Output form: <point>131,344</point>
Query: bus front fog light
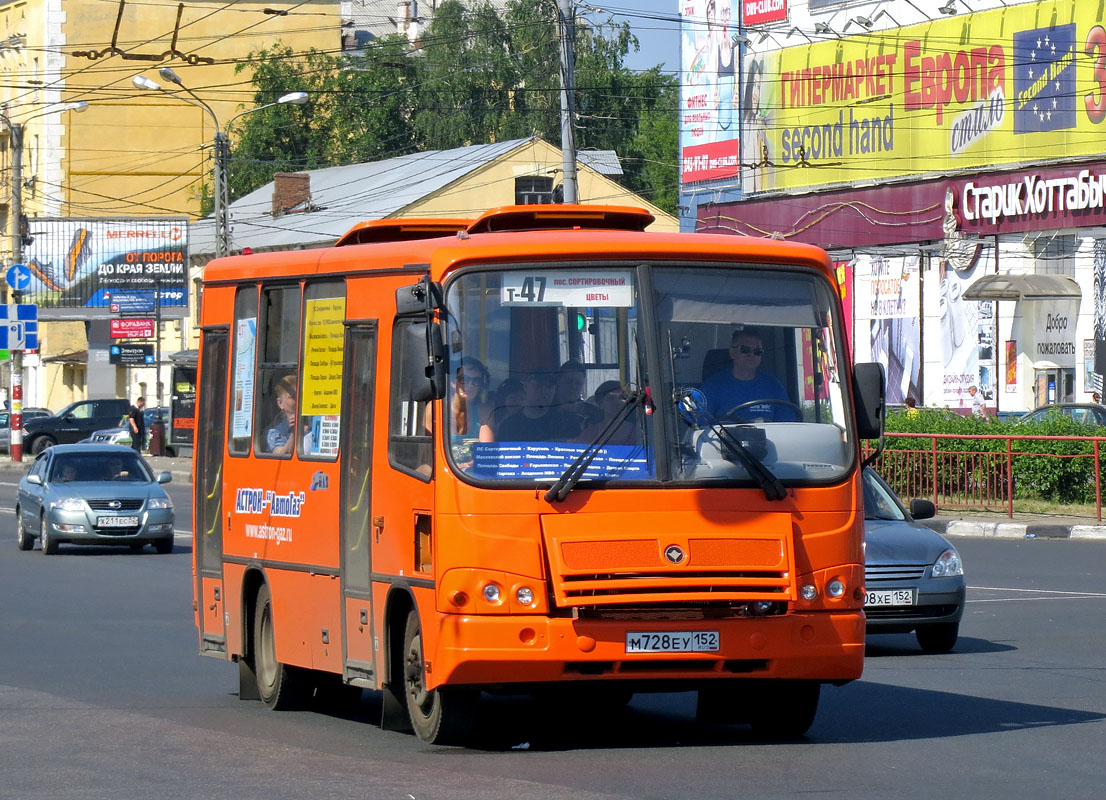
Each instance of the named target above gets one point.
<point>835,588</point>
<point>491,593</point>
<point>525,596</point>
<point>809,592</point>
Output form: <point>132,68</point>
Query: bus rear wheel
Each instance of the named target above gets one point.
<point>280,686</point>
<point>438,716</point>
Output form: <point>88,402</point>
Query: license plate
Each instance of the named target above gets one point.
<point>116,522</point>
<point>672,642</point>
<point>889,597</point>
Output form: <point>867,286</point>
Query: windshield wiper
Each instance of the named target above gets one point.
<point>575,472</point>
<point>774,488</point>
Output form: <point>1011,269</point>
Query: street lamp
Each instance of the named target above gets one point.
<point>15,136</point>
<point>221,210</point>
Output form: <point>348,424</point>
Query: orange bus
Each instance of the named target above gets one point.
<point>540,451</point>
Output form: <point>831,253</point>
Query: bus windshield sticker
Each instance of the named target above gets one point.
<point>543,460</point>
<point>246,340</point>
<point>568,288</point>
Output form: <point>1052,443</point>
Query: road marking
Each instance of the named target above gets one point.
<point>1036,591</point>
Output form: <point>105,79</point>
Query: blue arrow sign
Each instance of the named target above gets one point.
<point>19,277</point>
<point>19,327</point>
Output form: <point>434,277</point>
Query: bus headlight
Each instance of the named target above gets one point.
<point>491,593</point>
<point>525,596</point>
<point>835,588</point>
<point>465,590</point>
<point>809,592</point>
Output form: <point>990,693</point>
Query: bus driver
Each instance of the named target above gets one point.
<point>725,390</point>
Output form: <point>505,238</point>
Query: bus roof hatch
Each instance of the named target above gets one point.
<point>562,217</point>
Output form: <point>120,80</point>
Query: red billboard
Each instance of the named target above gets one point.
<point>142,328</point>
<point>759,11</point>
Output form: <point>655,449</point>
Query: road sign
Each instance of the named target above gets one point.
<point>19,278</point>
<point>19,327</point>
<point>131,355</point>
<point>121,302</point>
<point>139,328</point>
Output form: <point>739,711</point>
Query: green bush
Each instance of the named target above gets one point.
<point>1039,476</point>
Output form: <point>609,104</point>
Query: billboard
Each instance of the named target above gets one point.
<point>896,332</point>
<point>78,265</point>
<point>972,92</point>
<point>709,102</point>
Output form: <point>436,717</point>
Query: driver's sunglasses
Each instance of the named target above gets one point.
<point>746,350</point>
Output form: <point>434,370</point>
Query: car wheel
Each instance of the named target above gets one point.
<point>40,443</point>
<point>939,638</point>
<point>280,686</point>
<point>438,716</point>
<point>164,546</point>
<point>49,543</point>
<point>25,540</point>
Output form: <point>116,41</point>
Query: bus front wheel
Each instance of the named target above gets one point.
<point>279,685</point>
<point>783,709</point>
<point>438,716</point>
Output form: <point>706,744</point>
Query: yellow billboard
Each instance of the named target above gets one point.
<point>1017,85</point>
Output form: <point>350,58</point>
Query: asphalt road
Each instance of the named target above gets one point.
<point>102,695</point>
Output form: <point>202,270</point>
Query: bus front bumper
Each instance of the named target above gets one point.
<point>824,646</point>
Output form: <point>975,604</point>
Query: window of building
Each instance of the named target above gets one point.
<point>1055,255</point>
<point>533,190</point>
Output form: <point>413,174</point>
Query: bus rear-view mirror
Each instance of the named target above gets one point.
<point>868,395</point>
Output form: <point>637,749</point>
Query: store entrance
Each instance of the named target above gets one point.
<point>1054,386</point>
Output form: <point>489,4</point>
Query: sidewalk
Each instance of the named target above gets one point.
<point>1020,526</point>
<point>179,468</point>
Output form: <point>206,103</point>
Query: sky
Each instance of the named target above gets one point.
<point>659,38</point>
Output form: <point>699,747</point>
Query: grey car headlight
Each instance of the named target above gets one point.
<point>159,502</point>
<point>68,504</point>
<point>948,564</point>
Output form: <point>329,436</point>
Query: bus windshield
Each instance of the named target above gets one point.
<point>550,367</point>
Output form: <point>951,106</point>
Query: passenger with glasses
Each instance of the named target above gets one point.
<point>733,394</point>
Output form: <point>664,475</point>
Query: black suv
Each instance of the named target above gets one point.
<point>74,422</point>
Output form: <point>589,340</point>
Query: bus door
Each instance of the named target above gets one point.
<point>207,537</point>
<point>356,513</point>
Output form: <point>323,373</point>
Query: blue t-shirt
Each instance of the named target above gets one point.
<point>278,433</point>
<point>723,391</point>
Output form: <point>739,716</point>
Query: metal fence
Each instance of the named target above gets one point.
<point>976,472</point>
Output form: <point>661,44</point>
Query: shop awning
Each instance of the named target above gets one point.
<point>1022,287</point>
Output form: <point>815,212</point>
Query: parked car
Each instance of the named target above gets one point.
<point>1083,413</point>
<point>913,577</point>
<point>74,422</point>
<point>6,423</point>
<point>100,494</point>
<point>121,433</point>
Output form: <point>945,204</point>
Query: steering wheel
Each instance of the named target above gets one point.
<point>765,401</point>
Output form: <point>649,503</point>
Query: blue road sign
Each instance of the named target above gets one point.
<point>19,327</point>
<point>19,277</point>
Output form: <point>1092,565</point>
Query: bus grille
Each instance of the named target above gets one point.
<point>651,587</point>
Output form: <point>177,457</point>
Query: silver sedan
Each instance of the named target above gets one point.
<point>93,494</point>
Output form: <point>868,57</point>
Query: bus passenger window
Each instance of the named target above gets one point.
<point>324,331</point>
<point>243,380</point>
<point>410,446</point>
<point>278,345</point>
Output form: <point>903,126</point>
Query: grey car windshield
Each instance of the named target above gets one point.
<point>70,467</point>
<point>553,363</point>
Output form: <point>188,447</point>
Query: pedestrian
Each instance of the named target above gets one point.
<point>137,421</point>
<point>978,407</point>
<point>911,407</point>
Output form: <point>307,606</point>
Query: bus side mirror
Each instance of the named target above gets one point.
<point>869,394</point>
<point>423,353</point>
<point>422,296</point>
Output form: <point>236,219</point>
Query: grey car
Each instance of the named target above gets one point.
<point>99,494</point>
<point>6,423</point>
<point>913,577</point>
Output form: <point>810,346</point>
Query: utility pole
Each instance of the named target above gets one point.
<point>15,130</point>
<point>567,23</point>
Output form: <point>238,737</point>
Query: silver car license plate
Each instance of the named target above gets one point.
<point>672,642</point>
<point>889,597</point>
<point>116,522</point>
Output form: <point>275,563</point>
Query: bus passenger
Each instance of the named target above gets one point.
<point>278,437</point>
<point>728,389</point>
<point>539,419</point>
<point>507,399</point>
<point>609,399</point>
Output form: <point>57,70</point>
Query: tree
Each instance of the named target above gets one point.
<point>474,77</point>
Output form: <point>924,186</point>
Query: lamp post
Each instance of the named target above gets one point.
<point>221,211</point>
<point>15,136</point>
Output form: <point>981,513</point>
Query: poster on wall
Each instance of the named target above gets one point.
<point>894,324</point>
<point>1092,381</point>
<point>709,146</point>
<point>967,333</point>
<point>1011,366</point>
